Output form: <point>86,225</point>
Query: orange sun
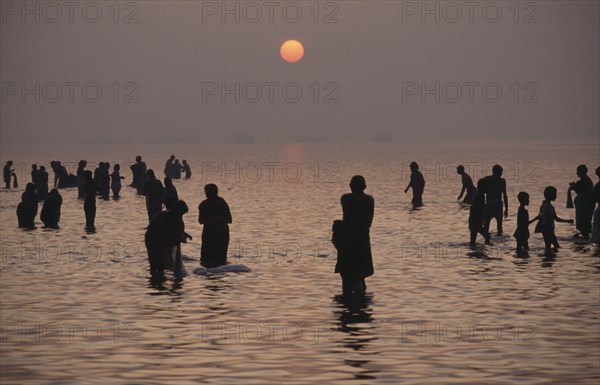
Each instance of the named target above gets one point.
<point>292,51</point>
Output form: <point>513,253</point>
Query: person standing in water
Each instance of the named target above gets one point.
<point>42,186</point>
<point>81,179</point>
<point>8,172</point>
<point>28,208</point>
<point>523,222</point>
<point>547,218</point>
<point>141,175</point>
<point>169,166</point>
<point>89,205</point>
<point>584,201</point>
<point>477,213</point>
<point>355,261</point>
<point>186,169</point>
<point>417,183</point>
<point>50,214</point>
<point>154,192</point>
<point>596,223</point>
<point>467,186</point>
<point>115,180</point>
<point>171,195</point>
<point>35,174</point>
<point>215,215</point>
<point>176,170</point>
<point>496,195</point>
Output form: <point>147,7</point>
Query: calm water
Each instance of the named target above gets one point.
<point>78,308</point>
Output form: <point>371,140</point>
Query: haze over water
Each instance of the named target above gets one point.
<point>79,308</point>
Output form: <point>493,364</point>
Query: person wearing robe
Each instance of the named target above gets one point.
<point>584,201</point>
<point>141,175</point>
<point>352,238</point>
<point>215,216</point>
<point>28,208</point>
<point>35,174</point>
<point>89,205</point>
<point>7,173</point>
<point>42,185</point>
<point>50,214</point>
<point>169,167</point>
<point>171,195</point>
<point>176,170</point>
<point>81,179</point>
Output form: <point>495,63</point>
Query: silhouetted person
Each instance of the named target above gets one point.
<point>140,171</point>
<point>62,178</point>
<point>176,170</point>
<point>42,185</point>
<point>352,238</point>
<point>115,180</point>
<point>417,183</point>
<point>186,169</point>
<point>27,209</point>
<point>477,214</point>
<point>496,195</point>
<point>171,195</point>
<point>50,214</point>
<point>467,185</point>
<point>35,174</point>
<point>81,179</point>
<point>8,172</point>
<point>523,222</point>
<point>547,217</point>
<point>134,173</point>
<point>596,223</point>
<point>102,178</point>
<point>165,233</point>
<point>154,192</point>
<point>584,201</point>
<point>169,167</point>
<point>89,205</point>
<point>215,215</point>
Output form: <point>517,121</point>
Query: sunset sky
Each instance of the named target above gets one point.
<point>364,72</point>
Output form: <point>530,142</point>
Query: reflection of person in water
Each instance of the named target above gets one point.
<point>496,195</point>
<point>81,179</point>
<point>171,195</point>
<point>50,214</point>
<point>186,169</point>
<point>215,215</point>
<point>89,205</point>
<point>165,233</point>
<point>42,185</point>
<point>417,183</point>
<point>8,172</point>
<point>477,212</point>
<point>154,192</point>
<point>584,201</point>
<point>467,185</point>
<point>28,208</point>
<point>355,261</point>
<point>596,199</point>
<point>523,222</point>
<point>115,180</point>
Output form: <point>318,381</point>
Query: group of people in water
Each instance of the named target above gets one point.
<point>166,230</point>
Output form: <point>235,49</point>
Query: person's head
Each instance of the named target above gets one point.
<point>82,163</point>
<point>138,158</point>
<point>150,174</point>
<point>582,170</point>
<point>52,164</point>
<point>414,166</point>
<point>211,190</point>
<point>184,161</point>
<point>54,193</point>
<point>106,165</point>
<point>168,181</point>
<point>550,193</point>
<point>89,177</point>
<point>497,170</point>
<point>172,157</point>
<point>30,188</point>
<point>117,167</point>
<point>43,168</point>
<point>598,172</point>
<point>482,185</point>
<point>58,163</point>
<point>176,161</point>
<point>34,166</point>
<point>101,165</point>
<point>180,208</point>
<point>460,169</point>
<point>523,198</point>
<point>9,163</point>
<point>358,184</point>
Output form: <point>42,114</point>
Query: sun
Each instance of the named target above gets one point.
<point>292,51</point>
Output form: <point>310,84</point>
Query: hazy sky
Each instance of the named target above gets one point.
<point>382,63</point>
